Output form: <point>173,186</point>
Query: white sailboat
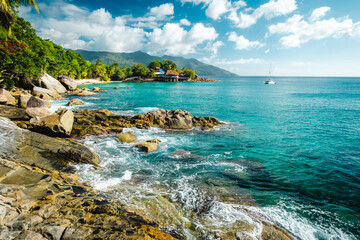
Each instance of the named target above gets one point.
<point>269,80</point>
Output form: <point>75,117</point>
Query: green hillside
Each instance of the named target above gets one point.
<point>128,59</point>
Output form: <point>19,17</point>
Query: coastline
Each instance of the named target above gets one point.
<point>101,122</point>
<point>147,80</point>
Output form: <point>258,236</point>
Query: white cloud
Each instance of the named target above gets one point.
<point>242,43</point>
<point>247,17</point>
<point>195,2</point>
<point>174,39</point>
<point>318,13</point>
<point>268,10</point>
<point>214,47</point>
<point>162,11</point>
<point>185,22</point>
<point>155,17</point>
<point>299,31</point>
<point>99,30</point>
<point>217,8</point>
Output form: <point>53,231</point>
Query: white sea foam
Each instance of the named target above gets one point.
<point>145,109</point>
<point>62,103</point>
<point>232,166</point>
<point>130,113</point>
<point>286,215</point>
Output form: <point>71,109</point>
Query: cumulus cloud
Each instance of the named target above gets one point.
<point>241,43</point>
<point>79,28</point>
<point>299,31</point>
<point>185,22</point>
<point>245,18</point>
<point>273,8</point>
<point>155,17</point>
<point>214,47</point>
<point>162,11</point>
<point>318,13</point>
<point>174,39</point>
<point>217,8</point>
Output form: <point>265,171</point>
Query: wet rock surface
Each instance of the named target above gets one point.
<point>48,207</point>
<point>87,122</point>
<point>147,146</point>
<point>36,149</point>
<point>127,137</point>
<point>41,199</point>
<point>76,102</point>
<point>58,124</point>
<point>177,119</point>
<point>13,113</point>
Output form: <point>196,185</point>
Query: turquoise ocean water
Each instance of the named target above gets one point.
<point>293,148</point>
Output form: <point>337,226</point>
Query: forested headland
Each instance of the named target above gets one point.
<point>24,54</point>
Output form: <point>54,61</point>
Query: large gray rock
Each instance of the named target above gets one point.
<point>174,119</point>
<point>23,100</point>
<point>44,93</point>
<point>39,150</point>
<point>6,98</point>
<point>35,107</point>
<point>58,124</point>
<point>68,82</point>
<point>13,113</point>
<point>76,102</point>
<point>51,83</point>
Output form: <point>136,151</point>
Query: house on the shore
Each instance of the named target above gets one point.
<point>170,75</point>
<point>159,71</point>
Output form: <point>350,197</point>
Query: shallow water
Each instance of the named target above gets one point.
<point>293,147</point>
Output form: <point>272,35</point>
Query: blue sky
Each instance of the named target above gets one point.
<point>299,37</point>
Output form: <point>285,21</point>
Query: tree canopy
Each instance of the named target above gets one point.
<point>8,12</point>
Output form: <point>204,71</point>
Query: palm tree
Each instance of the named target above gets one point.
<point>8,11</point>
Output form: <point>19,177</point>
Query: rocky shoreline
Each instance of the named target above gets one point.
<point>41,196</point>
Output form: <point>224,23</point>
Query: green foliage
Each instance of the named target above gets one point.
<point>155,64</point>
<point>8,9</point>
<point>139,69</point>
<point>118,75</point>
<point>105,77</point>
<point>189,73</point>
<point>28,55</point>
<point>7,83</point>
<point>169,65</point>
<point>127,71</point>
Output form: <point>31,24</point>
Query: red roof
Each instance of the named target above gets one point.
<point>180,71</point>
<point>172,73</point>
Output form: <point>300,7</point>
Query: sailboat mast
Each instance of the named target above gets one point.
<point>270,71</point>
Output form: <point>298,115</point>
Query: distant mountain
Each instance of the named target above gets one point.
<point>128,59</point>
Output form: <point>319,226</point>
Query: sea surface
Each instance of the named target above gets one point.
<point>289,154</point>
